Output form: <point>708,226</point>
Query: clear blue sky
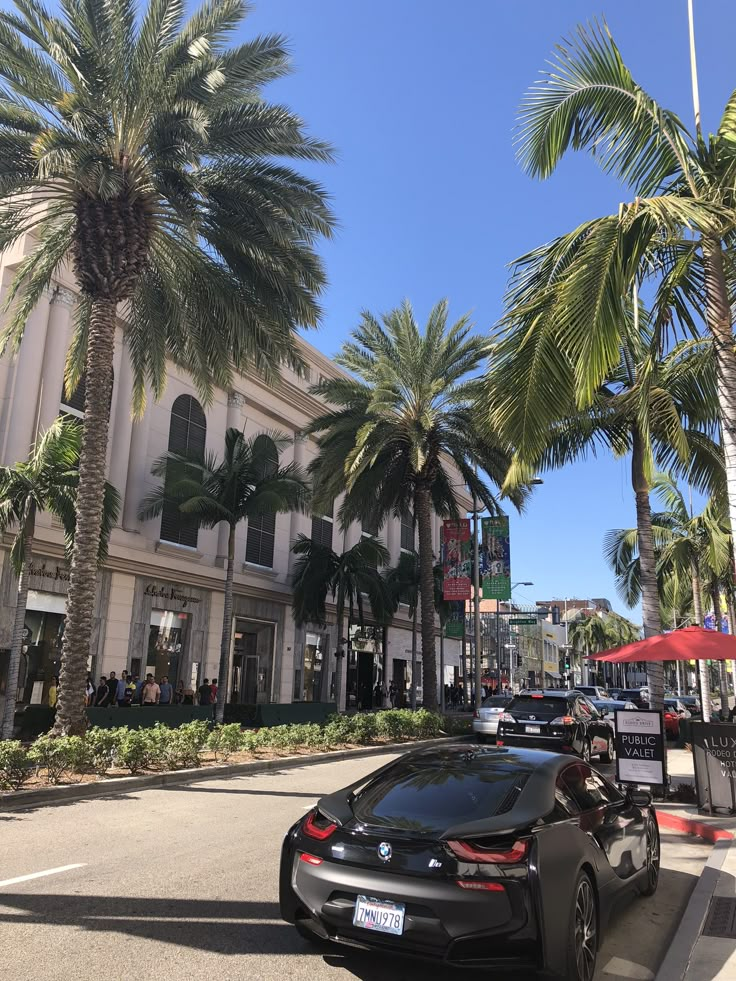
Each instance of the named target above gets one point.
<point>419,99</point>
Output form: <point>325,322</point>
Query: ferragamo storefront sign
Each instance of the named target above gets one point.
<point>55,573</point>
<point>171,593</point>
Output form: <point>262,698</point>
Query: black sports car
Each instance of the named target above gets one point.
<point>473,855</point>
<point>561,721</point>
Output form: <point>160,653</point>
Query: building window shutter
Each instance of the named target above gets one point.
<point>407,533</point>
<point>187,436</point>
<point>259,546</point>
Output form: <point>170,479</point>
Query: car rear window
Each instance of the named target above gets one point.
<point>430,797</point>
<point>543,706</point>
<point>494,701</point>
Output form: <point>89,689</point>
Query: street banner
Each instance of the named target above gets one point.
<point>714,757</point>
<point>456,560</point>
<point>495,558</point>
<point>456,620</point>
<point>640,747</point>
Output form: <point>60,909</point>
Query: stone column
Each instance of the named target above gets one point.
<point>234,420</point>
<point>26,382</point>
<point>391,534</point>
<point>58,337</point>
<point>300,523</point>
<point>122,430</point>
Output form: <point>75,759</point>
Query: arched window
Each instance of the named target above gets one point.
<point>262,530</point>
<point>187,435</point>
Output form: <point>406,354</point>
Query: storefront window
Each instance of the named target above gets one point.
<point>41,651</point>
<point>365,665</point>
<point>314,647</point>
<point>166,639</point>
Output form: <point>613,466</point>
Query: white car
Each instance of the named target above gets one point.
<point>485,720</point>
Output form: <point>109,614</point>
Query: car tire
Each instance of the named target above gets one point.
<point>582,934</point>
<point>585,751</point>
<point>607,757</point>
<point>651,880</point>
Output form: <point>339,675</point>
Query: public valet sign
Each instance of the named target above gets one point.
<point>640,750</point>
<point>495,558</point>
<point>457,560</point>
<point>714,755</point>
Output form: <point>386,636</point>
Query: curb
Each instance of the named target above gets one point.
<point>123,785</point>
<point>677,960</point>
<point>675,822</point>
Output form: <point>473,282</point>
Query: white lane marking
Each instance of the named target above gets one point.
<point>39,875</point>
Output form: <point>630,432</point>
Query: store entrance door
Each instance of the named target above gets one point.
<point>365,680</point>
<point>250,679</point>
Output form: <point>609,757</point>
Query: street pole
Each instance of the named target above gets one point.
<point>476,603</point>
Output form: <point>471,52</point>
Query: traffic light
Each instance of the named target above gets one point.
<point>518,660</point>
<point>556,615</point>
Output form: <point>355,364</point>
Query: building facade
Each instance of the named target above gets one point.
<point>159,602</point>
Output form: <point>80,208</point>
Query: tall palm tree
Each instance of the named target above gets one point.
<point>659,407</point>
<point>246,483</point>
<point>682,213</point>
<point>140,149</point>
<point>398,426</point>
<point>347,577</point>
<point>404,582</point>
<point>694,547</point>
<point>46,481</point>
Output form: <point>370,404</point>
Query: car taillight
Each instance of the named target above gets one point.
<point>479,885</point>
<point>469,852</point>
<point>506,717</point>
<point>317,826</point>
<point>476,714</point>
<point>310,859</point>
<point>499,742</point>
<point>563,720</point>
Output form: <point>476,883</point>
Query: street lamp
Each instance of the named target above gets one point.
<point>498,634</point>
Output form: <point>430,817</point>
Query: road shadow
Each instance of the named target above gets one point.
<point>193,788</point>
<point>11,813</point>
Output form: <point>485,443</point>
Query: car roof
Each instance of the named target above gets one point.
<point>536,798</point>
<point>546,693</point>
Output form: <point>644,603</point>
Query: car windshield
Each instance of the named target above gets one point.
<point>543,706</point>
<point>496,701</point>
<point>430,796</point>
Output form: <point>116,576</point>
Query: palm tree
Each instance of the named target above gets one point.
<point>693,547</point>
<point>659,407</point>
<point>404,582</point>
<point>682,218</point>
<point>139,149</point>
<point>47,481</point>
<point>347,577</point>
<point>246,483</point>
<point>396,428</point>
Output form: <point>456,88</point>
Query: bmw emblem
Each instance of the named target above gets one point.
<point>533,718</point>
<point>385,851</point>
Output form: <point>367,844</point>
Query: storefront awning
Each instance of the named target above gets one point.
<point>553,674</point>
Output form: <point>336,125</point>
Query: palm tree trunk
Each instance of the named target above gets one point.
<point>722,678</point>
<point>340,654</point>
<point>649,590</point>
<point>423,510</point>
<point>718,317</point>
<point>442,667</point>
<point>70,714</point>
<point>731,629</point>
<point>413,694</point>
<point>223,679</point>
<point>11,688</point>
<point>702,665</point>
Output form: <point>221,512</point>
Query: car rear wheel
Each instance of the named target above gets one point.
<point>607,757</point>
<point>582,943</point>
<point>652,874</point>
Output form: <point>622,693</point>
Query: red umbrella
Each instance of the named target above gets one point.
<point>689,644</point>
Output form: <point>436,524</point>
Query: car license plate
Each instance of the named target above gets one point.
<point>533,730</point>
<point>379,914</point>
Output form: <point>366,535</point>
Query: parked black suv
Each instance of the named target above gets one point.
<point>560,721</point>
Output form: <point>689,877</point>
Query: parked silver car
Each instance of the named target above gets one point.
<point>485,720</point>
<point>609,706</point>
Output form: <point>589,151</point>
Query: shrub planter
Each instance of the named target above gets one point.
<point>145,716</point>
<point>281,714</point>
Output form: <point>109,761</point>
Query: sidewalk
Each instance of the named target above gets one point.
<point>704,948</point>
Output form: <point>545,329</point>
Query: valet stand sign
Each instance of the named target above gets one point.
<point>640,749</point>
<point>714,755</point>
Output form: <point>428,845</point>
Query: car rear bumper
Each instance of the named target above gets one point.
<point>485,727</point>
<point>442,921</point>
<point>555,744</point>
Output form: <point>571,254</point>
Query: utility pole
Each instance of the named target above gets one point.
<point>476,604</point>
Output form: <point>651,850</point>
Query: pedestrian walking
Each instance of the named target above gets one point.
<point>167,692</point>
<point>112,684</point>
<point>54,692</point>
<point>392,695</point>
<point>151,693</point>
<point>213,687</point>
<point>122,685</point>
<point>205,693</point>
<point>90,691</point>
<point>102,695</point>
<point>377,696</point>
<point>179,694</point>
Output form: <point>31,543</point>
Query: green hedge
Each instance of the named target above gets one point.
<point>163,748</point>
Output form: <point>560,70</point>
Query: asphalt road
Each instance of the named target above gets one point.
<point>181,883</point>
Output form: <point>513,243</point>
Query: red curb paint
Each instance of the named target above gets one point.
<point>705,831</point>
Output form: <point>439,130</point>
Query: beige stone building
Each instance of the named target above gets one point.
<point>160,595</point>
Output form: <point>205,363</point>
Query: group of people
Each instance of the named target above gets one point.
<point>130,689</point>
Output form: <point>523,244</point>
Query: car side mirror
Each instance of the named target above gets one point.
<point>641,798</point>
